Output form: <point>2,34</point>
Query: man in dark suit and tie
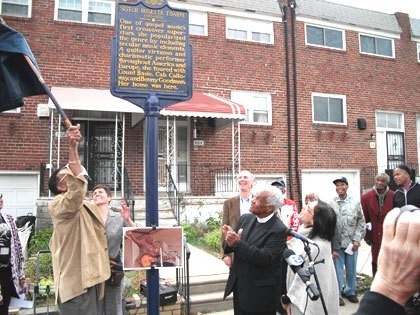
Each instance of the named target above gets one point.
<point>258,243</point>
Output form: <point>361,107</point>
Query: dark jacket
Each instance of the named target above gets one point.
<point>412,197</point>
<point>256,270</point>
<point>374,303</point>
<point>375,214</point>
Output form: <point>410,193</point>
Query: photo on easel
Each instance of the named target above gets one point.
<point>146,248</point>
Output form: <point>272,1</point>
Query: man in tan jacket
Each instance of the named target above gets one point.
<point>234,207</point>
<point>78,245</point>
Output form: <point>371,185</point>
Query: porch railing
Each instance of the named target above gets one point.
<point>173,194</point>
<point>128,193</point>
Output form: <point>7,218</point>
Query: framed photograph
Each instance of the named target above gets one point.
<point>146,247</point>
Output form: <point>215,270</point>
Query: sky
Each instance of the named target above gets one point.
<point>412,7</point>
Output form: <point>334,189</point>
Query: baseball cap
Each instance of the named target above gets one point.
<point>341,179</point>
<point>279,182</point>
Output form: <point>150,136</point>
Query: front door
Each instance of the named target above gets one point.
<point>97,153</point>
<point>395,149</point>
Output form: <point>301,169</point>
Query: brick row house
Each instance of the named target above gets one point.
<point>307,90</point>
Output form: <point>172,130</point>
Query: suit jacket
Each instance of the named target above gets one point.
<point>79,247</point>
<point>231,211</point>
<point>374,303</point>
<point>256,269</point>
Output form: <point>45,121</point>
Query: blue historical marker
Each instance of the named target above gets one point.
<point>151,66</point>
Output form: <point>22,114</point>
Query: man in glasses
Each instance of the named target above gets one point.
<point>78,245</point>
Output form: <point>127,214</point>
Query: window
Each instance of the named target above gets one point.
<point>13,111</point>
<point>198,23</point>
<point>389,120</point>
<point>325,37</point>
<point>376,46</point>
<point>418,52</point>
<point>257,106</point>
<point>330,109</point>
<point>16,7</point>
<point>249,30</point>
<point>86,11</point>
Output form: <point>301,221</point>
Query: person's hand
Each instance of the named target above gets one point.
<point>335,254</point>
<point>232,238</point>
<point>228,261</point>
<point>398,275</point>
<point>125,211</point>
<point>287,307</point>
<point>22,285</point>
<point>73,135</point>
<point>225,229</point>
<point>356,246</point>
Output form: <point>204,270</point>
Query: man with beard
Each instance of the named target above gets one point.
<point>408,192</point>
<point>376,203</point>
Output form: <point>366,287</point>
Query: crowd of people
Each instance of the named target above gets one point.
<point>274,270</point>
<point>281,260</point>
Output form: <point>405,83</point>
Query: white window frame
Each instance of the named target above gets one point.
<point>85,12</point>
<point>381,149</point>
<point>13,111</point>
<point>418,52</point>
<point>343,36</point>
<point>376,37</point>
<point>199,19</point>
<point>250,26</point>
<point>244,97</point>
<point>338,96</point>
<point>29,4</point>
<point>387,127</point>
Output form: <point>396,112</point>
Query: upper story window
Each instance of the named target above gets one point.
<point>16,7</point>
<point>198,23</point>
<point>389,120</point>
<point>257,105</point>
<point>329,108</point>
<point>374,45</point>
<point>86,11</point>
<point>325,37</point>
<point>249,30</point>
<point>418,52</point>
<point>13,111</point>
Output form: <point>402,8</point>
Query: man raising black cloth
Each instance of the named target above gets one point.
<point>258,243</point>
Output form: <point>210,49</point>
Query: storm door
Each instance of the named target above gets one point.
<point>395,149</point>
<point>97,153</point>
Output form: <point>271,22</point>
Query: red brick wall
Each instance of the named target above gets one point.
<point>78,55</point>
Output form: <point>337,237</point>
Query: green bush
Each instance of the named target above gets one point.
<point>213,239</point>
<point>40,241</point>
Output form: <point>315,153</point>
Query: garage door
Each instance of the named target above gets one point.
<point>321,182</point>
<point>20,192</point>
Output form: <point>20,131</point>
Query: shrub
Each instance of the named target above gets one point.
<point>213,239</point>
<point>40,241</point>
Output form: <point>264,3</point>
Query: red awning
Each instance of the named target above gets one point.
<point>206,105</point>
<point>200,105</point>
